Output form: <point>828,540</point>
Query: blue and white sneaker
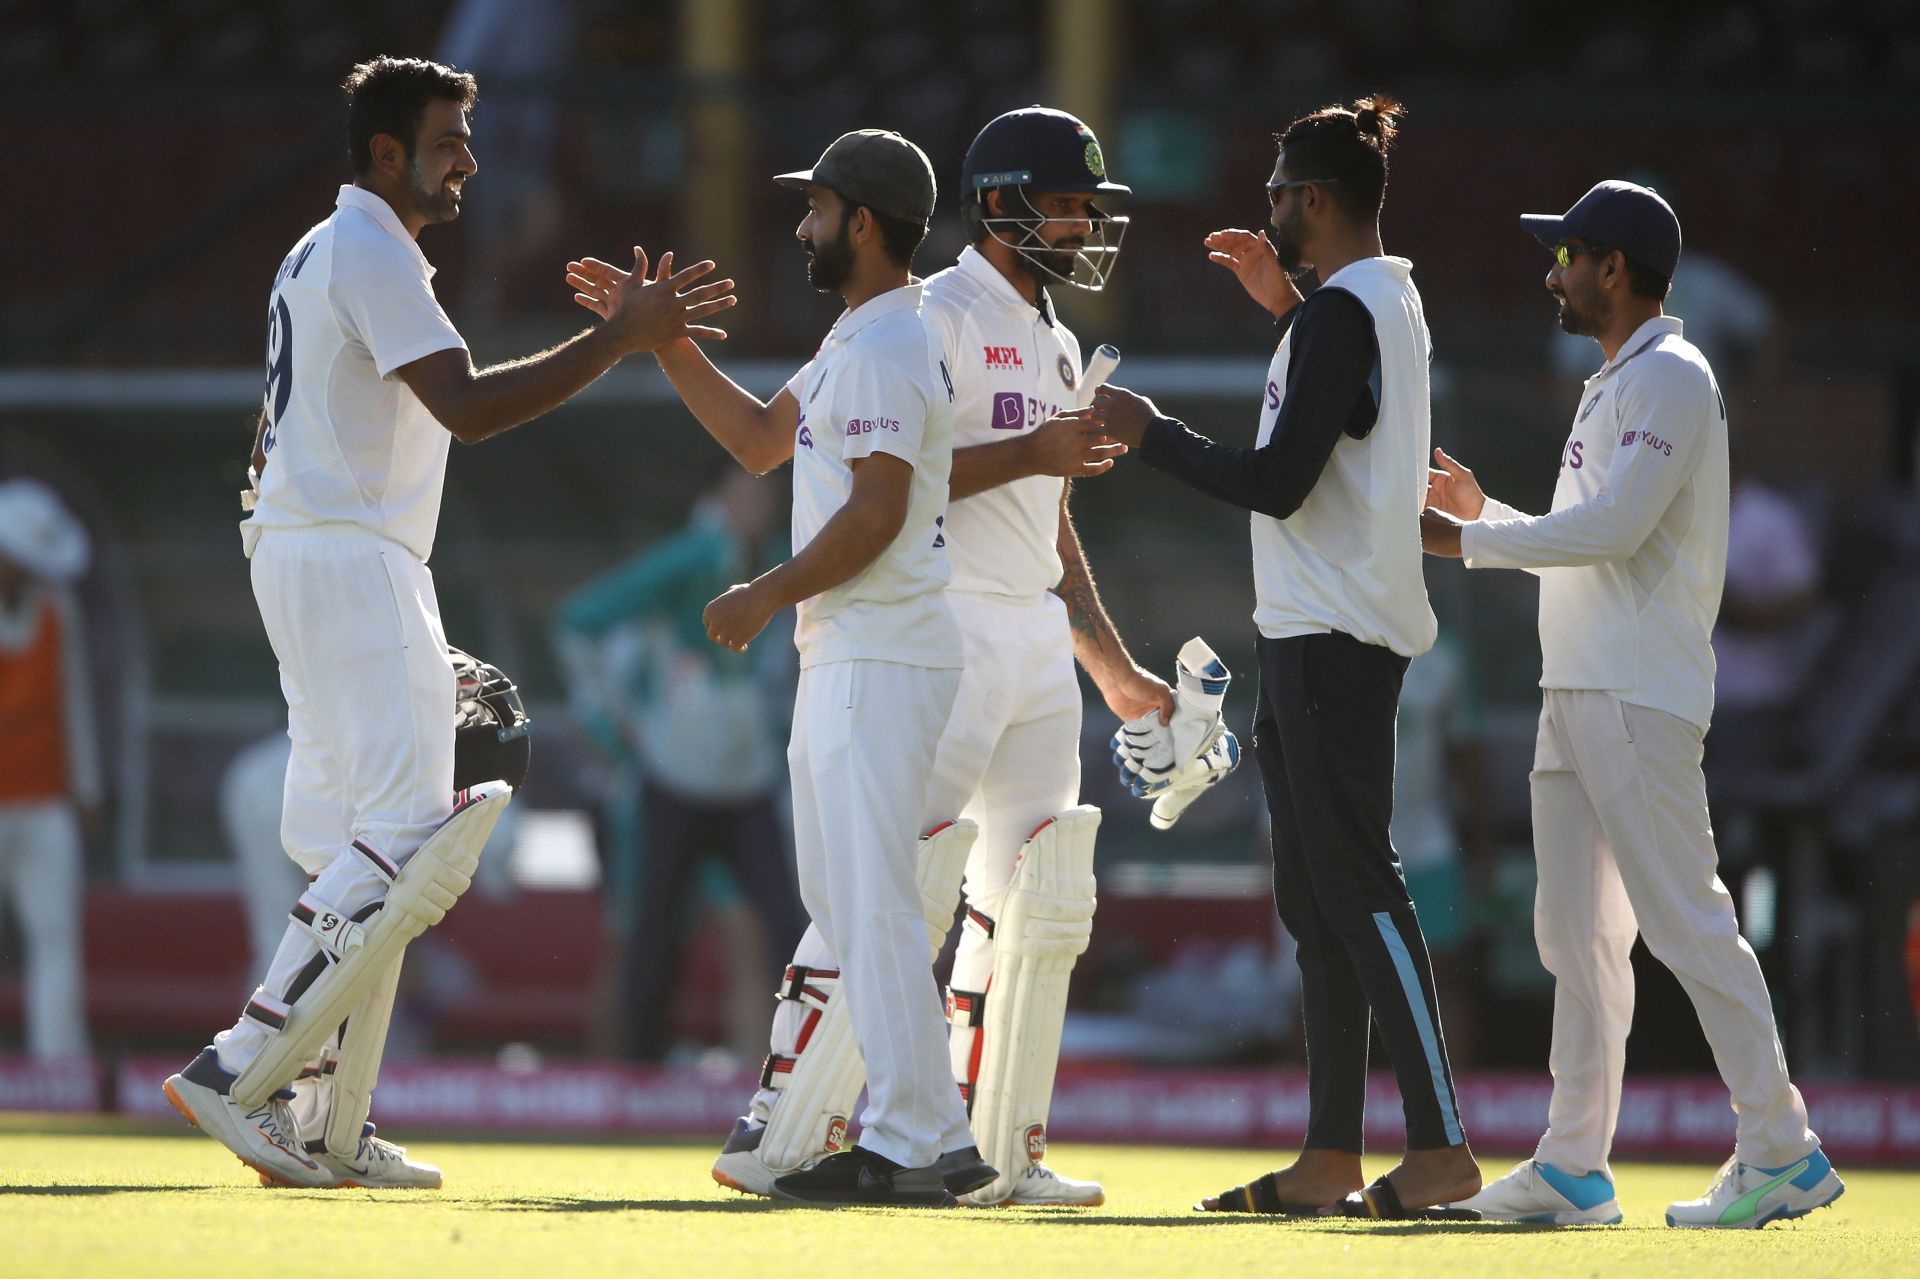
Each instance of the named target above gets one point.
<point>1744,1197</point>
<point>1545,1195</point>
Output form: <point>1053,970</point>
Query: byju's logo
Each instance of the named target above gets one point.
<point>1009,411</point>
<point>1004,357</point>
<point>805,438</point>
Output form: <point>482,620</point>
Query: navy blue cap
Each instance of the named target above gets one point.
<point>1619,215</point>
<point>1035,147</point>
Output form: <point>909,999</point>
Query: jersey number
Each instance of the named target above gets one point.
<point>279,368</point>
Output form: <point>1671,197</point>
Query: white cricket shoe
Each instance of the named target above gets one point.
<point>378,1164</point>
<point>740,1166</point>
<point>265,1138</point>
<point>1038,1186</point>
<point>1744,1197</point>
<point>1545,1195</point>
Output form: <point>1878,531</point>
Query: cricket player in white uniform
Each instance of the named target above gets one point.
<point>868,424</point>
<point>367,382</point>
<point>1009,758</point>
<point>1631,560</point>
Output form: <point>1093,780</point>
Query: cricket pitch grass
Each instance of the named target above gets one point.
<point>98,1197</point>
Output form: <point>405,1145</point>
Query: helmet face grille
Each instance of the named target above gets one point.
<point>1092,263</point>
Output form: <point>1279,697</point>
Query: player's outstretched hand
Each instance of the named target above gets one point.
<point>736,617</point>
<point>643,314</point>
<point>1072,445</point>
<point>1452,488</point>
<point>1250,256</point>
<point>1123,414</point>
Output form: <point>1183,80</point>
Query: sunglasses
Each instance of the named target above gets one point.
<point>1274,189</point>
<point>1564,254</point>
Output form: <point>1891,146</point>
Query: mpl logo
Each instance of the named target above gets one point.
<point>1036,1136</point>
<point>1009,410</point>
<point>836,1134</point>
<point>1004,357</point>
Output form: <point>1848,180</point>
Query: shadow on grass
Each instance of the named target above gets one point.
<point>101,1190</point>
<point>569,1203</point>
<point>1218,1220</point>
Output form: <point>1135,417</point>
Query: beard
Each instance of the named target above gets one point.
<point>1289,236</point>
<point>830,262</point>
<point>1057,260</point>
<point>440,203</point>
<point>1580,318</point>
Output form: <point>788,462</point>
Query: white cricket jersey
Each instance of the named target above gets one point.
<point>1013,368</point>
<point>1349,559</point>
<point>347,442</point>
<point>1633,556</point>
<point>878,384</point>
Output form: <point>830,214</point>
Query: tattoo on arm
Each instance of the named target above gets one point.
<point>1094,639</point>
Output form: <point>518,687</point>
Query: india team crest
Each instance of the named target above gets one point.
<point>1036,1143</point>
<point>1096,163</point>
<point>836,1134</point>
<point>1066,370</point>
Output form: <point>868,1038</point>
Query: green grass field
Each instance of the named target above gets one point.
<point>83,1198</point>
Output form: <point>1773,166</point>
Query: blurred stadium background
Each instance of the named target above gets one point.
<point>168,153</point>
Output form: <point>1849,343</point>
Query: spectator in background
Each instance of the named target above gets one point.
<point>703,728</point>
<point>1436,759</point>
<point>49,769</point>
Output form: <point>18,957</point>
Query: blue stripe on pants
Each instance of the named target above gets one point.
<point>1417,1004</point>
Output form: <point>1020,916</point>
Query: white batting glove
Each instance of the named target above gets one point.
<point>1172,763</point>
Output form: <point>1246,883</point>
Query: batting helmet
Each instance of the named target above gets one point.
<point>1040,149</point>
<point>492,738</point>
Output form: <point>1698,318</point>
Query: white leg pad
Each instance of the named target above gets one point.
<point>423,890</point>
<point>820,1083</point>
<point>1043,928</point>
<point>362,1043</point>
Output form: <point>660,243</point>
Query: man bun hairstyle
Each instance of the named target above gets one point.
<point>390,95</point>
<point>1346,147</point>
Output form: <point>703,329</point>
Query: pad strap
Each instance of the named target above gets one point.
<point>333,929</point>
<point>269,1012</point>
<point>810,986</point>
<point>966,1008</point>
<point>382,864</point>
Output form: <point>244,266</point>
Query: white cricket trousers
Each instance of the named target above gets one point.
<point>355,624</point>
<point>41,874</point>
<point>864,734</point>
<point>1009,758</point>
<point>1625,848</point>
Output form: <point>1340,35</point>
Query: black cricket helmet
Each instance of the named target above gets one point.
<point>1039,149</point>
<point>492,737</point>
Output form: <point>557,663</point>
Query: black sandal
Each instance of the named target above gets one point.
<point>1261,1195</point>
<point>1381,1202</point>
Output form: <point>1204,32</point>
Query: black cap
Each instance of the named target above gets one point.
<point>1036,147</point>
<point>1619,215</point>
<point>877,168</point>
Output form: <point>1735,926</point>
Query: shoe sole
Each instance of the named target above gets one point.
<point>1783,1213</point>
<point>274,1181</point>
<point>725,1178</point>
<point>1564,1217</point>
<point>179,1103</point>
<point>1014,1201</point>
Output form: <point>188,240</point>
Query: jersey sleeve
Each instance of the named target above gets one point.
<point>1665,415</point>
<point>382,299</point>
<point>885,405</point>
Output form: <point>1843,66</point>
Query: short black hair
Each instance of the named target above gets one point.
<point>900,237</point>
<point>1346,147</point>
<point>390,95</point>
<point>1645,282</point>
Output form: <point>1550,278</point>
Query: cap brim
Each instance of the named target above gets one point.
<point>1548,227</point>
<point>798,181</point>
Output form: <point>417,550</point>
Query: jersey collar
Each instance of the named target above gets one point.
<point>1643,337</point>
<point>906,297</point>
<point>353,197</point>
<point>974,265</point>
